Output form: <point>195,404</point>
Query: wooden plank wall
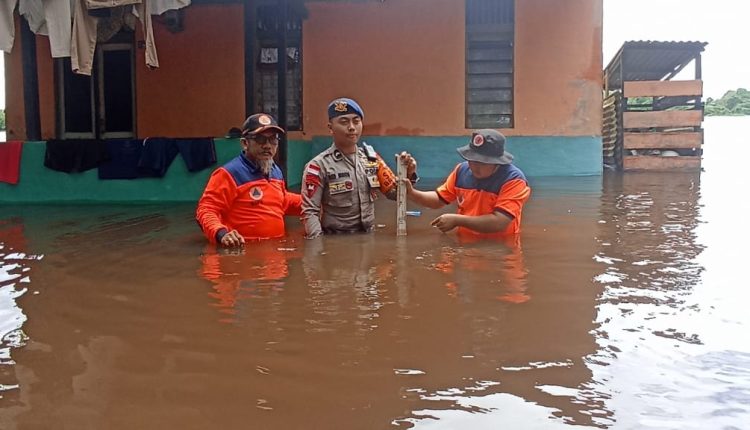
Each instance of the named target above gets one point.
<point>663,140</point>
<point>647,134</point>
<point>657,163</point>
<point>662,119</point>
<point>662,88</point>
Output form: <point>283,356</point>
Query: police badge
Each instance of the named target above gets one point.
<point>341,106</point>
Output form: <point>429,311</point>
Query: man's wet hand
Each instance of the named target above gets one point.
<point>405,182</point>
<point>445,222</point>
<point>232,239</point>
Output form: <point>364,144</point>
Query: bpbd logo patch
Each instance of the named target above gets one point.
<point>256,194</point>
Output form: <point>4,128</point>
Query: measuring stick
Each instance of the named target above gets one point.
<point>400,198</point>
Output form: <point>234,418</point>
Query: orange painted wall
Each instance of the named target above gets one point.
<point>198,89</point>
<point>558,67</point>
<point>403,60</point>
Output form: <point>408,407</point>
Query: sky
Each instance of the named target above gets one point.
<point>724,24</point>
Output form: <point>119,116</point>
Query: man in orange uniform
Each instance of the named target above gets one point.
<point>246,199</point>
<point>489,190</point>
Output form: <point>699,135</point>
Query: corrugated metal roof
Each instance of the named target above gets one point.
<point>649,60</point>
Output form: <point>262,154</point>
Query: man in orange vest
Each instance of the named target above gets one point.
<point>247,199</point>
<point>489,190</point>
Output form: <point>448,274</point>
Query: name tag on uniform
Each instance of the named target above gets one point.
<point>371,170</point>
<point>340,187</point>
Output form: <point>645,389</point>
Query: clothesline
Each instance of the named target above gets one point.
<point>72,26</point>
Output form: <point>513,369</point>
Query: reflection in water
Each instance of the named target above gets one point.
<point>620,310</point>
<point>496,262</point>
<point>652,355</point>
<point>258,271</point>
<point>512,336</point>
<point>15,281</point>
<point>346,274</point>
<point>127,320</point>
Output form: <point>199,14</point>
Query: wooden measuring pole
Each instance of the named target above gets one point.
<point>400,198</point>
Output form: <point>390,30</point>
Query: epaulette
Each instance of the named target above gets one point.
<point>370,152</point>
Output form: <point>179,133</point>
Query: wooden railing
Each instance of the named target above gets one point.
<point>664,131</point>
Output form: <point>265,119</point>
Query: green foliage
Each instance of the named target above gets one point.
<point>640,103</point>
<point>2,119</point>
<point>733,103</point>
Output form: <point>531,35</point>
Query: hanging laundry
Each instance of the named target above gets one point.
<point>198,153</point>
<point>156,157</point>
<point>271,55</point>
<point>10,161</point>
<point>50,18</point>
<point>85,32</point>
<point>100,4</point>
<point>7,25</point>
<point>159,152</point>
<point>139,10</point>
<point>158,7</point>
<point>113,22</point>
<point>33,11</point>
<point>83,42</point>
<point>124,155</point>
<point>59,15</point>
<point>75,155</point>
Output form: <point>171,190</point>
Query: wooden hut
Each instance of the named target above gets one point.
<point>652,122</point>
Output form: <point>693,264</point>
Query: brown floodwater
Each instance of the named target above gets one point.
<point>622,306</point>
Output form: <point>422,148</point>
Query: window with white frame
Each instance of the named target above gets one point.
<point>101,105</point>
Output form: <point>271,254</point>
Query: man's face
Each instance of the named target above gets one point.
<point>346,129</point>
<point>262,146</point>
<point>482,170</point>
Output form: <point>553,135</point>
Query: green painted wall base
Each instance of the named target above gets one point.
<point>39,184</point>
<point>536,156</point>
<point>436,156</point>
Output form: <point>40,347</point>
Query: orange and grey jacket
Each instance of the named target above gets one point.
<point>239,197</point>
<point>505,191</point>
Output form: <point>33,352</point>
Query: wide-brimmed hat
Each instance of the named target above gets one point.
<point>260,122</point>
<point>486,146</point>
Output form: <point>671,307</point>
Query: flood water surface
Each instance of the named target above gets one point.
<point>621,307</point>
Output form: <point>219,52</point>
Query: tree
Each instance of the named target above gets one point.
<point>733,103</point>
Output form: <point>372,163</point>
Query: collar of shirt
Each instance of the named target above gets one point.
<point>254,168</point>
<point>338,155</point>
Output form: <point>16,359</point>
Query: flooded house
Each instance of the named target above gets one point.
<point>621,308</point>
<point>426,72</point>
